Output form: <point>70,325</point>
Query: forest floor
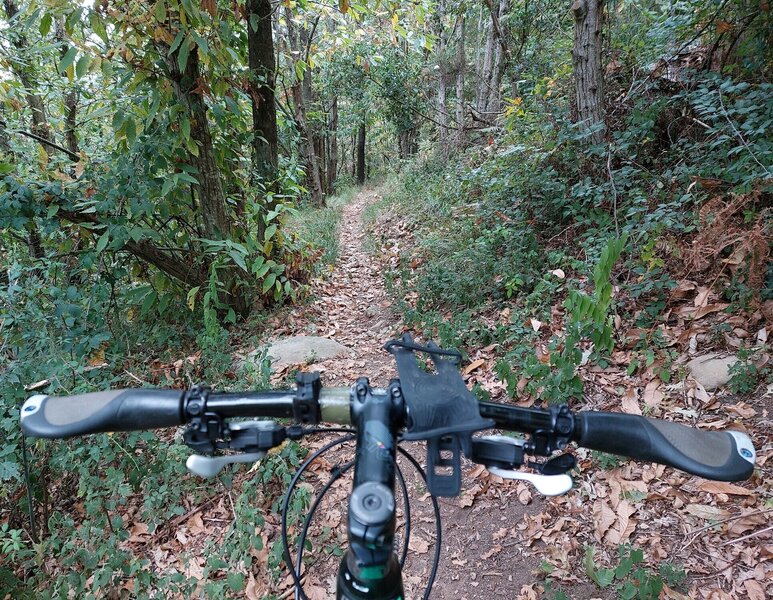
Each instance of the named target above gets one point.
<point>700,539</point>
<point>502,539</point>
<point>479,557</point>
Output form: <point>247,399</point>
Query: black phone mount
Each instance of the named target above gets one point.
<point>441,410</point>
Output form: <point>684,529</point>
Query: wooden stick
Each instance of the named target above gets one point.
<point>746,537</point>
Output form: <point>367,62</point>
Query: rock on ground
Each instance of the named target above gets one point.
<point>712,370</point>
<point>303,349</point>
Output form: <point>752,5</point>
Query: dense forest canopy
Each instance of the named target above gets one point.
<point>156,158</point>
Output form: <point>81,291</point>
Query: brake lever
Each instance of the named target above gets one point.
<point>253,438</point>
<point>553,481</point>
<point>209,466</point>
<point>547,485</point>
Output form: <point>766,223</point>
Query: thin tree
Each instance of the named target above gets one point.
<point>262,64</point>
<point>588,75</point>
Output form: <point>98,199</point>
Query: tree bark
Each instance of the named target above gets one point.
<point>262,63</point>
<point>588,74</point>
<point>307,140</point>
<point>442,68</point>
<point>361,154</point>
<point>461,65</point>
<point>332,146</point>
<point>407,142</point>
<point>70,97</point>
<point>40,125</point>
<point>5,143</point>
<point>501,55</point>
<point>484,75</point>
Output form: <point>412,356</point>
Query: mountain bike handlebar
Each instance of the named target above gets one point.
<point>434,407</point>
<point>718,455</point>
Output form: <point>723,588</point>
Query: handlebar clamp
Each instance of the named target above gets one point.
<point>544,442</point>
<point>306,401</point>
<point>204,428</point>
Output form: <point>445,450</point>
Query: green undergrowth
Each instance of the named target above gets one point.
<point>319,225</point>
<point>81,334</point>
<point>629,576</point>
<point>544,227</point>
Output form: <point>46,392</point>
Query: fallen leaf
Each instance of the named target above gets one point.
<point>624,525</point>
<point>721,487</point>
<point>559,273</point>
<point>418,544</point>
<point>707,310</point>
<point>683,289</point>
<point>652,396</point>
<point>604,517</point>
<point>742,410</point>
<point>709,513</point>
<point>495,550</point>
<point>630,404</point>
<point>535,324</point>
<point>754,589</point>
<point>473,365</point>
<point>702,298</point>
<point>139,533</point>
<point>673,594</point>
<point>527,593</point>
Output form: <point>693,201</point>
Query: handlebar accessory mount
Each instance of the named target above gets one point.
<point>440,409</point>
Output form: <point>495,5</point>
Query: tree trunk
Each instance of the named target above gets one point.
<point>40,125</point>
<point>214,210</point>
<point>461,65</point>
<point>361,154</point>
<point>501,54</point>
<point>217,223</point>
<point>588,76</point>
<point>5,143</point>
<point>70,97</point>
<point>262,63</point>
<point>332,148</point>
<point>307,140</point>
<point>484,75</point>
<point>442,68</point>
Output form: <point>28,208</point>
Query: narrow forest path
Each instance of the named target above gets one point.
<point>351,306</point>
<point>481,556</point>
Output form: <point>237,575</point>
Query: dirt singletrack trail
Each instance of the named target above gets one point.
<point>351,306</point>
<point>482,556</point>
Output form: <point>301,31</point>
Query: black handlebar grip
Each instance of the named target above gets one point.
<point>113,410</point>
<point>718,455</point>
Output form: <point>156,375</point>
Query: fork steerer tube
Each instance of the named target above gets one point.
<point>370,568</point>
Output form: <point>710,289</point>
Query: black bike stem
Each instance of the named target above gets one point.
<point>370,568</point>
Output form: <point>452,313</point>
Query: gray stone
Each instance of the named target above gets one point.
<point>302,349</point>
<point>711,370</point>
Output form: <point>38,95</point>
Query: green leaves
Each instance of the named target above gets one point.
<point>67,59</point>
<point>182,55</point>
<point>601,577</point>
<point>45,24</point>
<point>82,67</point>
<point>103,240</point>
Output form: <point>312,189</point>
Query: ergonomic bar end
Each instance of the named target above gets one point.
<point>744,446</point>
<point>31,406</point>
<point>46,416</point>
